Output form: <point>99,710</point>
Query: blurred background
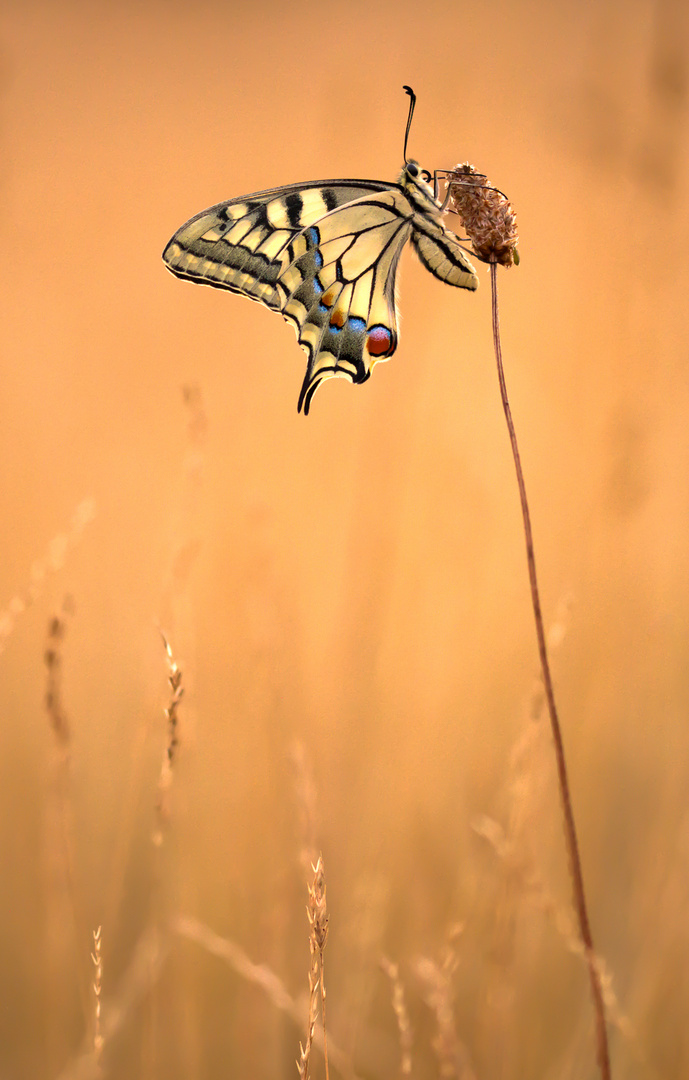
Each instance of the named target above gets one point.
<point>345,595</point>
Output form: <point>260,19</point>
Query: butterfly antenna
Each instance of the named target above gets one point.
<point>412,103</point>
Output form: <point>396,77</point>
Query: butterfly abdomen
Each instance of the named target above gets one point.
<point>441,257</point>
<point>437,248</point>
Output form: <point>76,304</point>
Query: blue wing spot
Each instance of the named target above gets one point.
<point>356,324</point>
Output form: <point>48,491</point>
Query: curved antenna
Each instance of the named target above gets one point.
<point>412,103</point>
<point>481,187</point>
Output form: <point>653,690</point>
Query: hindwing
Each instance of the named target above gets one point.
<point>338,289</point>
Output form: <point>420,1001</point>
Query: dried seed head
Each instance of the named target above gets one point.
<point>317,910</point>
<point>486,214</point>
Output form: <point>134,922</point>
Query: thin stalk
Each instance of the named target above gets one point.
<point>325,1033</point>
<point>603,1053</point>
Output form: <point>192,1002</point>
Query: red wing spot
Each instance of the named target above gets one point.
<point>380,341</point>
<point>337,319</point>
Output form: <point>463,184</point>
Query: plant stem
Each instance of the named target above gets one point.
<point>325,1034</point>
<point>603,1053</point>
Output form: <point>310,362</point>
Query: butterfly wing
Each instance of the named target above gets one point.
<point>244,245</point>
<point>239,245</point>
<point>324,254</point>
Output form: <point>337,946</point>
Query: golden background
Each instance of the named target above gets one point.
<point>346,595</point>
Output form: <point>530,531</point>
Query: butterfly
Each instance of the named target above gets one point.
<point>325,255</point>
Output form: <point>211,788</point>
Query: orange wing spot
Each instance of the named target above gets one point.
<point>328,298</point>
<point>380,341</point>
<point>338,319</point>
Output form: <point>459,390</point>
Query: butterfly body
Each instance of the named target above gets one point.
<point>325,255</point>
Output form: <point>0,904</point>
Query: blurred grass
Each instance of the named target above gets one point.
<point>354,583</point>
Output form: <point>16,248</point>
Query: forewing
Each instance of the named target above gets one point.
<point>241,245</point>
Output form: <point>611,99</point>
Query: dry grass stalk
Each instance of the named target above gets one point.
<point>137,982</point>
<point>563,918</point>
<point>172,742</point>
<point>97,958</point>
<point>317,912</point>
<point>51,563</point>
<point>399,1006</point>
<point>487,216</point>
<point>175,680</point>
<point>494,239</point>
<point>52,657</point>
<point>63,908</point>
<point>529,790</point>
<point>176,612</point>
<point>262,976</point>
<point>436,978</point>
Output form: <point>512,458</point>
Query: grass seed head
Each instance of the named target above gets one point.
<point>317,910</point>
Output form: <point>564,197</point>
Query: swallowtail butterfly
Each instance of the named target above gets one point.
<point>325,255</point>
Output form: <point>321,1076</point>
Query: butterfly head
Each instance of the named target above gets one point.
<point>414,178</point>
